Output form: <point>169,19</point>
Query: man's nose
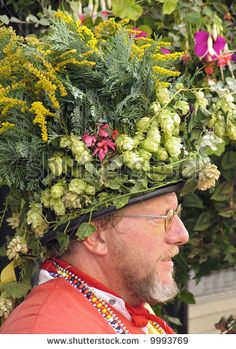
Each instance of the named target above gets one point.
<point>177,234</point>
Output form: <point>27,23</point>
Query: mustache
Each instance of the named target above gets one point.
<point>172,253</point>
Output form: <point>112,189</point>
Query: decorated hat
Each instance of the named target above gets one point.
<point>90,121</point>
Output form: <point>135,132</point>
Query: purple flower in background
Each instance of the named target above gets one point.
<point>208,48</point>
<point>234,58</point>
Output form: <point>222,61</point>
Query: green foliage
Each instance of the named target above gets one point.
<point>168,6</point>
<point>126,9</point>
<point>84,230</point>
<point>15,289</point>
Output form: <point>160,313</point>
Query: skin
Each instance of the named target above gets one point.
<point>133,256</point>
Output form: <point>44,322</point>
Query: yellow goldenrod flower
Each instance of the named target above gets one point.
<point>10,103</point>
<point>4,126</point>
<point>64,17</point>
<point>144,47</point>
<point>84,63</point>
<point>167,56</point>
<point>33,41</point>
<point>164,71</point>
<point>52,75</point>
<point>66,53</point>
<point>44,84</point>
<point>5,70</point>
<point>107,28</point>
<point>88,36</point>
<point>162,84</point>
<point>134,31</point>
<point>148,40</point>
<point>163,43</point>
<point>136,51</point>
<point>88,53</point>
<point>41,113</point>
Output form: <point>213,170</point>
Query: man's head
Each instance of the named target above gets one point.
<point>132,253</point>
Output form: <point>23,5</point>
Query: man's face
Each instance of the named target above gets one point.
<point>142,250</point>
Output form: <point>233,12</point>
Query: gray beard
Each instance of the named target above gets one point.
<point>149,289</point>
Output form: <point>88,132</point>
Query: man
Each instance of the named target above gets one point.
<point>89,129</point>
<point>127,262</point>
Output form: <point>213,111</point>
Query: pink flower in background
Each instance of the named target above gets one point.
<point>141,34</point>
<point>224,59</point>
<point>102,132</point>
<point>164,50</point>
<point>114,134</point>
<point>101,143</point>
<point>208,48</point>
<point>209,69</point>
<point>89,140</point>
<point>102,148</point>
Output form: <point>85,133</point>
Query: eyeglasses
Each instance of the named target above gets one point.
<point>168,217</point>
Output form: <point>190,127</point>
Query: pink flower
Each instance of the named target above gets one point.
<point>102,132</point>
<point>89,140</point>
<point>209,69</point>
<point>105,13</point>
<point>224,59</point>
<point>114,134</point>
<point>102,148</point>
<point>164,50</point>
<point>208,48</point>
<point>186,57</point>
<point>140,33</point>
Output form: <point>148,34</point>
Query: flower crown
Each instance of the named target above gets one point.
<point>89,119</point>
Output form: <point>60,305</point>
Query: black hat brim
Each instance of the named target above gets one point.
<point>103,212</point>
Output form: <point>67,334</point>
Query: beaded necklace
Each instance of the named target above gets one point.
<point>100,305</point>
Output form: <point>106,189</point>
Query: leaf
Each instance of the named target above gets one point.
<point>113,184</point>
<point>4,19</point>
<point>16,289</point>
<point>44,21</point>
<point>203,222</point>
<point>15,20</point>
<point>3,251</point>
<point>63,241</point>
<point>193,200</point>
<point>222,192</point>
<point>194,17</point>
<point>121,201</point>
<point>189,186</point>
<point>146,28</point>
<point>8,274</point>
<point>207,11</point>
<point>228,160</point>
<point>218,151</point>
<point>169,6</point>
<point>187,297</point>
<point>126,9</point>
<point>85,230</point>
<point>32,19</point>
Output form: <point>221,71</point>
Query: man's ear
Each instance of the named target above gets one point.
<point>97,241</point>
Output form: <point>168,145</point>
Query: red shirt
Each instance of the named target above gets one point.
<point>56,307</point>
